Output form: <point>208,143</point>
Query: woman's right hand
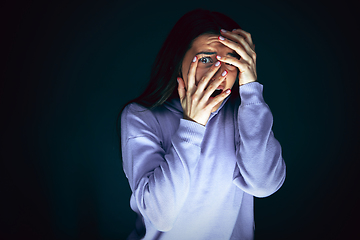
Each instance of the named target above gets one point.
<point>195,100</point>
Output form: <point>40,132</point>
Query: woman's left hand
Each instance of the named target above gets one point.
<point>240,41</point>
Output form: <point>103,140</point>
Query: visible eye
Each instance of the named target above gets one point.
<point>206,60</point>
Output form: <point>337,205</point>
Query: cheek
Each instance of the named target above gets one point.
<point>231,78</point>
<point>200,72</point>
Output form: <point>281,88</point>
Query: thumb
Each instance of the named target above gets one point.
<point>181,88</point>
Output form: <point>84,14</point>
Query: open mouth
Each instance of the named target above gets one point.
<point>216,92</point>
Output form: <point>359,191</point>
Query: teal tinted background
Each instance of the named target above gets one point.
<point>70,66</point>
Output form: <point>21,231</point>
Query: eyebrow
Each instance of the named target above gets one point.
<point>235,55</point>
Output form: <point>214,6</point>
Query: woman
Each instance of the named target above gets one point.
<point>194,156</point>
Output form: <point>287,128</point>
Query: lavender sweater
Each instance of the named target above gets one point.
<point>190,181</point>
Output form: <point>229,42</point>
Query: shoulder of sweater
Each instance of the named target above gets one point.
<point>135,114</point>
<point>137,109</point>
<point>138,116</point>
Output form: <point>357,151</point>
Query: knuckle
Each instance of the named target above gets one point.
<point>212,86</point>
<point>202,80</point>
<point>194,98</point>
<point>241,39</point>
<point>207,76</point>
<point>238,48</point>
<point>188,94</point>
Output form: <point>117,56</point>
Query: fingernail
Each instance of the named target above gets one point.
<point>177,79</point>
<point>221,38</point>
<point>223,30</point>
<point>218,57</point>
<point>194,60</point>
<point>228,91</point>
<point>224,73</point>
<point>234,29</point>
<point>217,63</point>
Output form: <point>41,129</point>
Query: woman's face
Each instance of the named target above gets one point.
<point>206,47</point>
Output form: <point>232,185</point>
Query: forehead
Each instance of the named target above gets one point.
<point>209,42</point>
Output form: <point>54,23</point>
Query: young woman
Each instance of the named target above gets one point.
<point>197,145</point>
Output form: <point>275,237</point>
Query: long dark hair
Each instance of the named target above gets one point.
<point>167,65</point>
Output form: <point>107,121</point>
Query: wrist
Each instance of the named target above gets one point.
<point>191,119</point>
<point>246,82</point>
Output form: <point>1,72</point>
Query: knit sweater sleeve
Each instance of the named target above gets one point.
<point>159,180</point>
<point>260,169</point>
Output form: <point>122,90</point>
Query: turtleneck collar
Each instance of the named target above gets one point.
<point>174,105</point>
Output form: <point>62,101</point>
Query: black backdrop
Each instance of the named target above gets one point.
<point>69,66</point>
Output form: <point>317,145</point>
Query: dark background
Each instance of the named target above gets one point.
<point>69,66</point>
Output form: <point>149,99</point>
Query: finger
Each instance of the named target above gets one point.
<point>214,85</point>
<point>248,55</point>
<point>191,74</point>
<point>219,98</point>
<point>240,37</point>
<point>242,66</point>
<point>246,35</point>
<point>181,88</point>
<point>207,76</point>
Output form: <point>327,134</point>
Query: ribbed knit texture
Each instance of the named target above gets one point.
<point>190,181</point>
